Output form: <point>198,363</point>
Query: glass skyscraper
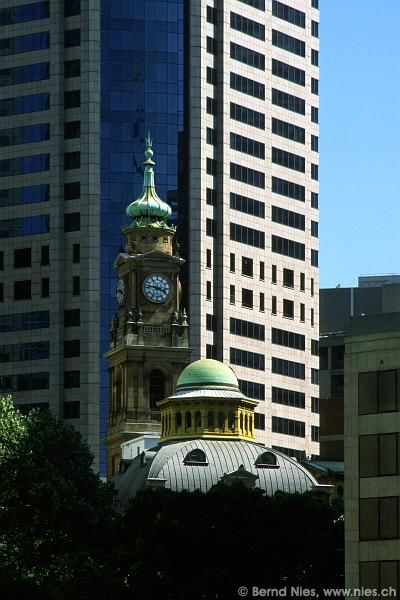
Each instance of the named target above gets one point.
<point>229,91</point>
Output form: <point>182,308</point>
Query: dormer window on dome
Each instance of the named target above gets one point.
<point>266,460</point>
<point>196,457</point>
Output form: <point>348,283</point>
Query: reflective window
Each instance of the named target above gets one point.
<point>25,12</point>
<point>246,175</point>
<point>289,43</point>
<point>251,360</point>
<point>247,235</point>
<point>27,351</point>
<point>24,164</point>
<point>24,226</point>
<point>288,397</point>
<point>288,101</point>
<point>288,247</point>
<point>22,321</point>
<point>72,8</point>
<point>247,26</point>
<point>288,368</point>
<point>247,116</point>
<point>285,71</point>
<point>25,195</point>
<point>25,43</point>
<point>247,56</point>
<point>288,218</point>
<point>288,160</point>
<point>288,427</point>
<point>247,86</point>
<point>289,14</point>
<point>27,134</point>
<point>24,74</point>
<point>247,205</point>
<point>26,382</point>
<point>288,130</point>
<point>24,104</point>
<point>288,188</point>
<point>252,389</point>
<point>72,37</point>
<point>72,68</point>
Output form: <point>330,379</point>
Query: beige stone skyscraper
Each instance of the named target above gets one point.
<point>253,205</point>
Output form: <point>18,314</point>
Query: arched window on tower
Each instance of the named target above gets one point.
<point>156,388</point>
<point>266,460</point>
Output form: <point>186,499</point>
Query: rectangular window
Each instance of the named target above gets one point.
<point>246,175</point>
<point>24,226</point>
<point>247,116</point>
<point>288,218</point>
<point>251,360</point>
<point>289,43</point>
<point>30,194</point>
<point>72,379</point>
<point>314,3</point>
<point>211,136</point>
<point>289,131</point>
<point>288,278</point>
<point>274,305</point>
<point>314,258</point>
<point>72,160</point>
<point>211,228</point>
<point>252,389</point>
<point>72,37</point>
<point>45,287</point>
<point>288,397</point>
<point>72,130</point>
<point>72,317</point>
<point>302,313</point>
<point>72,222</point>
<point>288,247</point>
<point>314,143</point>
<point>72,410</point>
<point>247,235</point>
<point>259,4</point>
<point>314,433</point>
<point>247,86</point>
<point>247,266</point>
<point>211,106</point>
<point>314,114</point>
<point>24,351</point>
<point>288,101</point>
<point>288,309</point>
<point>211,166</point>
<point>72,68</point>
<point>288,72</point>
<point>211,323</point>
<point>289,14</point>
<point>247,298</point>
<point>22,258</point>
<point>72,348</point>
<point>24,43</point>
<point>1,295</point>
<point>288,189</point>
<point>211,76</point>
<point>72,99</point>
<point>247,146</point>
<point>314,86</point>
<point>315,376</point>
<point>211,15</point>
<point>76,285</point>
<point>315,405</point>
<point>247,56</point>
<point>314,200</point>
<point>211,45</point>
<point>379,518</point>
<point>1,260</point>
<point>273,274</point>
<point>22,321</point>
<point>24,12</point>
<point>315,347</point>
<point>208,290</point>
<point>247,26</point>
<point>314,228</point>
<point>72,191</point>
<point>312,317</point>
<point>232,262</point>
<point>24,104</point>
<point>44,256</point>
<point>314,57</point>
<point>72,8</point>
<point>232,294</point>
<point>27,134</point>
<point>288,427</point>
<point>22,290</point>
<point>289,339</point>
<point>76,253</point>
<point>211,351</point>
<point>314,28</point>
<point>288,368</point>
<point>288,160</point>
<point>312,286</point>
<point>247,205</point>
<point>262,270</point>
<point>208,258</point>
<point>24,74</point>
<point>247,329</point>
<point>262,302</point>
<point>259,421</point>
<point>211,197</point>
<point>302,282</point>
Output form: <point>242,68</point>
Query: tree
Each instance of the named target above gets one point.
<point>55,512</point>
<point>203,546</point>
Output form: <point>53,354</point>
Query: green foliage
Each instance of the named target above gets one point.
<point>12,427</point>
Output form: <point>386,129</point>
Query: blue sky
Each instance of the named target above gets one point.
<point>359,139</point>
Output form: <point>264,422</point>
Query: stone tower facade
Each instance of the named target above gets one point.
<point>149,341</point>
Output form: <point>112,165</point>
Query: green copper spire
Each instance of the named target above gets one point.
<point>149,210</point>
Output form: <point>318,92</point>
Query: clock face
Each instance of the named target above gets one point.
<point>157,288</point>
<point>120,291</point>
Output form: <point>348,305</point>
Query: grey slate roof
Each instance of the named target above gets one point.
<point>223,457</point>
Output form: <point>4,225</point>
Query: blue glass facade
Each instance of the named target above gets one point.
<point>142,88</point>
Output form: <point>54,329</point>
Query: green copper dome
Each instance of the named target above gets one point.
<point>149,210</point>
<point>207,374</point>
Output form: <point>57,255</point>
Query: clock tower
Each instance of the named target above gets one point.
<point>149,341</point>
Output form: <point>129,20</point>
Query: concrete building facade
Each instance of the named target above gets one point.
<point>229,91</point>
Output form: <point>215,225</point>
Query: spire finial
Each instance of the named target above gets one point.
<point>148,152</point>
